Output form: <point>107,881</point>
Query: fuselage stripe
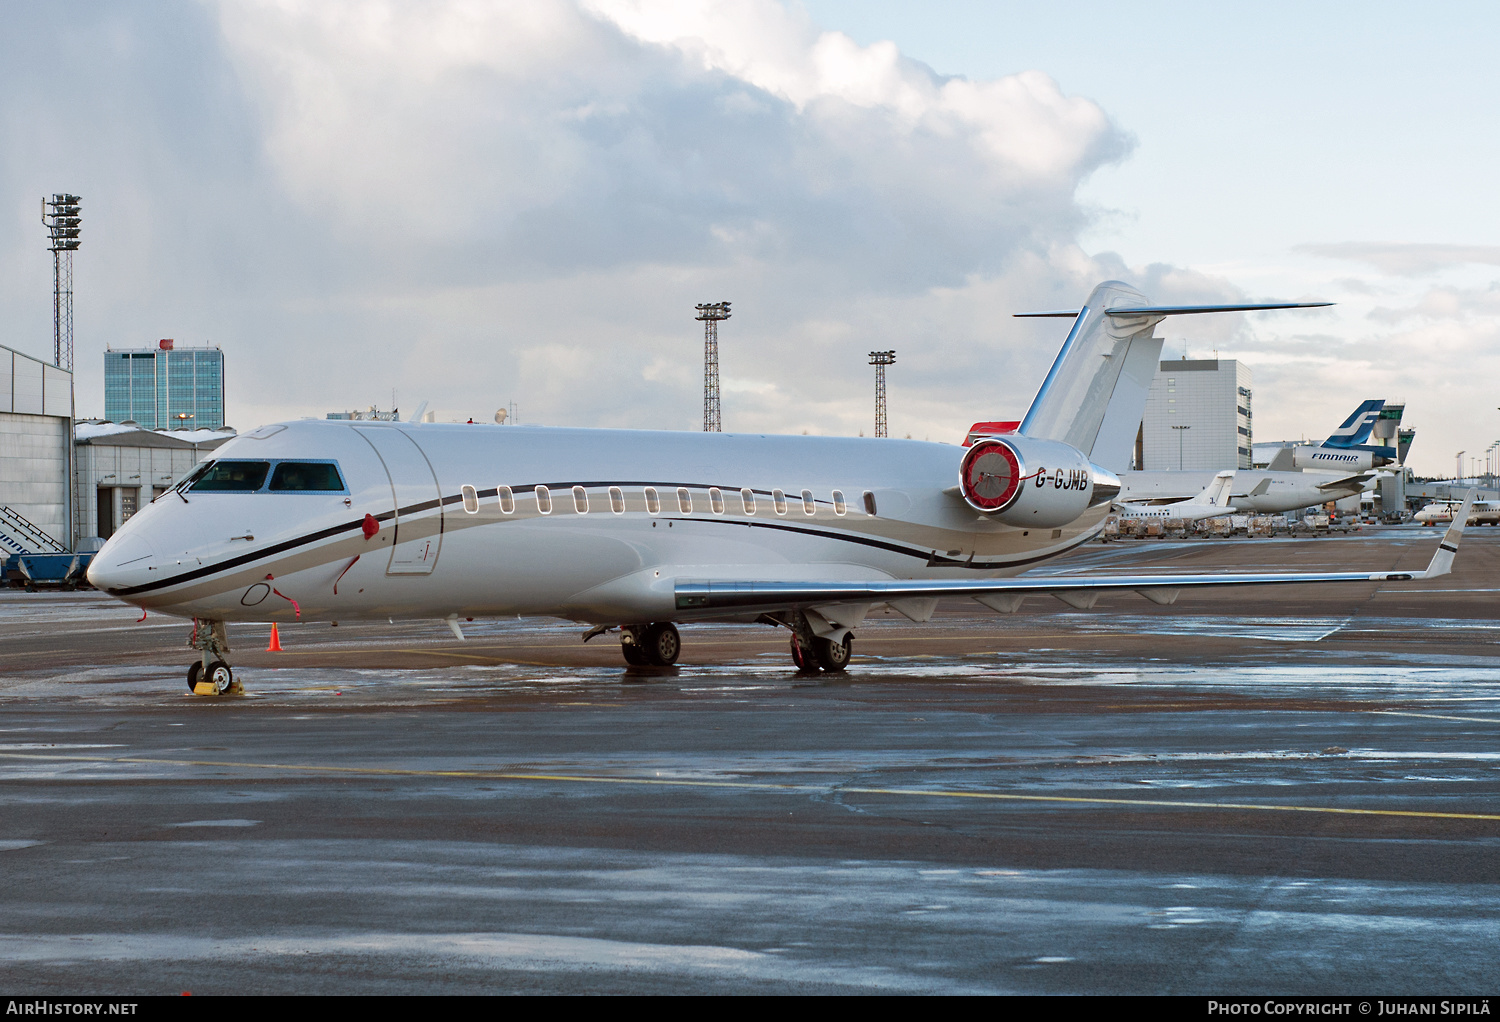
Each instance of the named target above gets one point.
<point>932,558</point>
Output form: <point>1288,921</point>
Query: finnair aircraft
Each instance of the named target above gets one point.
<point>1298,477</point>
<point>1211,503</point>
<point>1345,449</point>
<point>640,531</point>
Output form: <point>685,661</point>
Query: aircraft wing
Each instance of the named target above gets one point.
<point>1006,593</point>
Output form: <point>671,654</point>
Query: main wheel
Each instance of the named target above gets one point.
<point>662,644</point>
<point>803,658</point>
<point>833,656</point>
<point>194,673</point>
<point>219,676</point>
<point>634,655</point>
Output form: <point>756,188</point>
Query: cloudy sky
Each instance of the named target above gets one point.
<point>474,204</point>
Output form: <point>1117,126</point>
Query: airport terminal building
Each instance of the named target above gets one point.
<point>1198,417</point>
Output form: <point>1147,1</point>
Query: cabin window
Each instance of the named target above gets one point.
<point>544,500</point>
<point>869,503</point>
<point>684,500</point>
<point>617,500</point>
<point>716,500</point>
<point>507,500</point>
<point>471,499</point>
<point>653,501</point>
<point>238,476</point>
<point>747,498</point>
<point>809,506</point>
<point>307,476</point>
<point>580,500</point>
<point>839,507</point>
<point>778,501</point>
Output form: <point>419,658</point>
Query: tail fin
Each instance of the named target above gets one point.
<point>1216,493</point>
<point>1356,428</point>
<point>1095,394</point>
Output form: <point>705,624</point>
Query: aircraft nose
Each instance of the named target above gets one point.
<point>120,563</point>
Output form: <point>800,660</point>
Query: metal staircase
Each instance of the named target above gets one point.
<point>19,536</point>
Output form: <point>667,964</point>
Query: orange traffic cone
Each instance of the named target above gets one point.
<point>275,646</point>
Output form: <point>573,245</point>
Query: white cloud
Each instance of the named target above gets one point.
<point>475,203</point>
<point>544,137</point>
<point>546,189</point>
<point>1408,259</point>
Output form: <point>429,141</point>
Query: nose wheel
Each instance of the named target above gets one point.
<point>217,678</point>
<point>210,674</point>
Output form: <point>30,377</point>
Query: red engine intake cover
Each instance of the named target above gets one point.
<point>990,475</point>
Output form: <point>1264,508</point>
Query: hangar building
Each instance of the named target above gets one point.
<point>36,418</point>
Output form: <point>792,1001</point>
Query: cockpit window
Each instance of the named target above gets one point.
<point>306,475</point>
<point>243,476</point>
<point>192,475</point>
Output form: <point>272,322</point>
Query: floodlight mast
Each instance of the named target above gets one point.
<point>881,359</point>
<point>710,315</point>
<point>61,216</point>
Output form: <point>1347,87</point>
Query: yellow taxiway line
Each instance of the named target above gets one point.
<point>825,789</point>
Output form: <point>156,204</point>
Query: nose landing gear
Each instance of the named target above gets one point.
<point>210,674</point>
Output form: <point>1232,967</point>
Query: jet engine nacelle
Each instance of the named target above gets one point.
<point>1348,459</point>
<point>1023,481</point>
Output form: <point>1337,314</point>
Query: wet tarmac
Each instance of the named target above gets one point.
<point>1272,792</point>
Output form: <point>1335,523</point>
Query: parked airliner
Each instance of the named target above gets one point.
<point>1484,512</point>
<point>1303,476</point>
<point>635,530</point>
<point>1211,503</point>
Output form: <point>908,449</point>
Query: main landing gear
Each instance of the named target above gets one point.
<point>812,653</point>
<point>654,645</point>
<point>658,645</point>
<point>210,674</point>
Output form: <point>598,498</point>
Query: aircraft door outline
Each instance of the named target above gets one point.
<point>413,483</point>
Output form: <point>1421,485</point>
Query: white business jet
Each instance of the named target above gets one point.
<point>340,520</point>
<point>1213,502</point>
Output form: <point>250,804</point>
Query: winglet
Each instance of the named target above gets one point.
<point>1442,558</point>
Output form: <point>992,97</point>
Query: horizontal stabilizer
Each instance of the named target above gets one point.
<point>1174,310</point>
<point>1188,310</point>
<point>1346,482</point>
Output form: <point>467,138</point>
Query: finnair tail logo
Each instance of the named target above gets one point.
<point>1356,428</point>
